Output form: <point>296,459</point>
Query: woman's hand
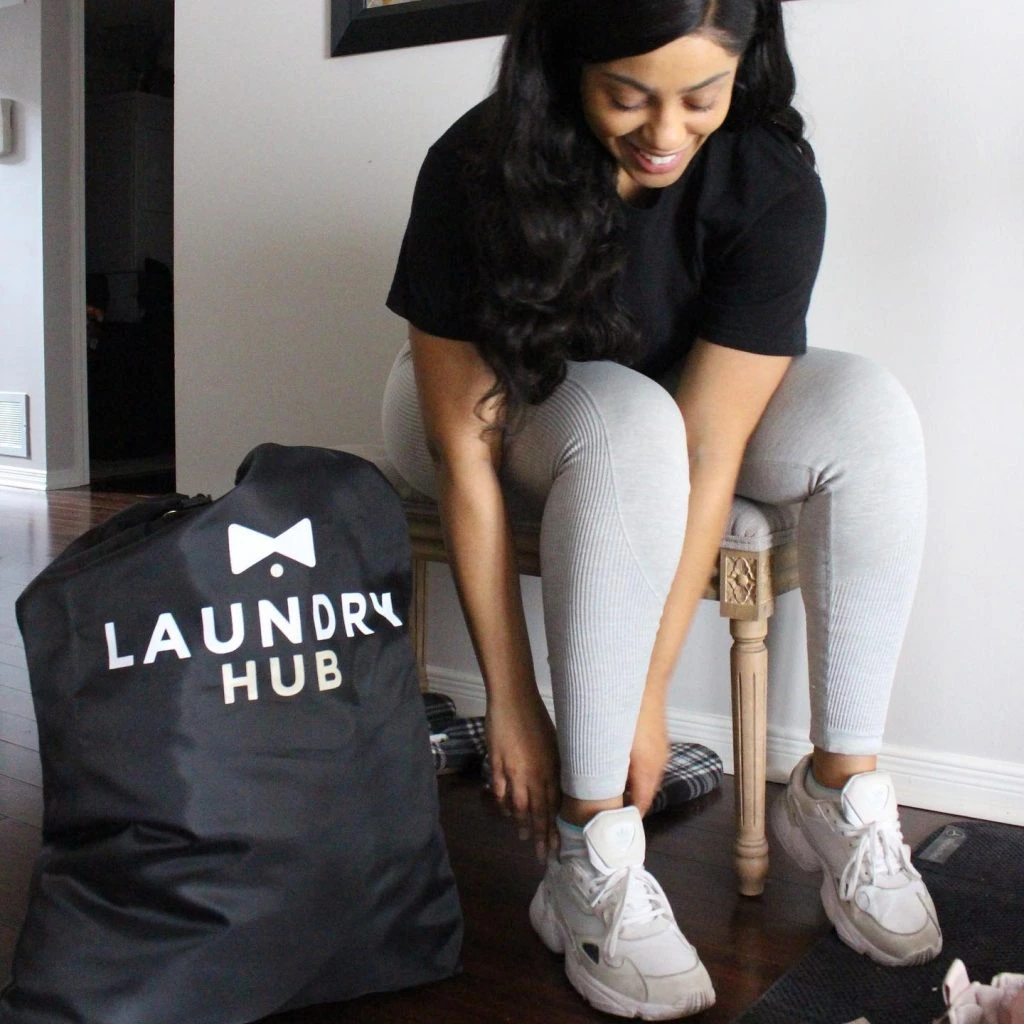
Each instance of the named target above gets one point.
<point>649,755</point>
<point>524,766</point>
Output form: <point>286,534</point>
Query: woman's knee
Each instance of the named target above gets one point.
<point>853,404</point>
<point>868,387</point>
<point>853,425</point>
<point>607,432</point>
<point>630,415</point>
<point>636,441</point>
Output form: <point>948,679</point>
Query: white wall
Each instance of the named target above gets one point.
<point>21,213</point>
<point>42,302</point>
<point>63,66</point>
<point>922,150</point>
<point>293,177</point>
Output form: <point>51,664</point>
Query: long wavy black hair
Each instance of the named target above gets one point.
<point>548,221</point>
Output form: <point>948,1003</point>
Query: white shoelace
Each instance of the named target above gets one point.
<point>880,851</point>
<point>641,901</point>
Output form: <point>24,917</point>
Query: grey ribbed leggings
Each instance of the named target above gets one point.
<point>603,461</point>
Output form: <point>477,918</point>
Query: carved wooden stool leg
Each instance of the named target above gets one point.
<point>749,660</point>
<point>418,619</point>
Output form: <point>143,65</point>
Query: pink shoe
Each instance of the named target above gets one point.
<point>970,1002</point>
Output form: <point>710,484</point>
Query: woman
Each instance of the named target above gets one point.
<point>606,274</point>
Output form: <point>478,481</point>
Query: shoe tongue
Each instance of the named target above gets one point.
<point>615,839</point>
<point>869,797</point>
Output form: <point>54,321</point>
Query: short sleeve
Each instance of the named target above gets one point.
<point>756,293</point>
<point>433,279</point>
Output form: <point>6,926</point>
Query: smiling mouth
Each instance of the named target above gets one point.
<point>659,161</point>
<point>655,163</point>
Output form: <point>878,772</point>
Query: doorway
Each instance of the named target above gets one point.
<point>129,194</point>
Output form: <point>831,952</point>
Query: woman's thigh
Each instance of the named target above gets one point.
<point>404,437</point>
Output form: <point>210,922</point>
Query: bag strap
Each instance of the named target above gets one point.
<point>123,528</point>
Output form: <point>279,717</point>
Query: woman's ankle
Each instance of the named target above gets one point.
<point>579,812</point>
<point>835,770</point>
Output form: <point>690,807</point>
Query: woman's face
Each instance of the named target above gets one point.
<point>654,111</point>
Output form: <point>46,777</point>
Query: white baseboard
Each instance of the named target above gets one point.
<point>41,479</point>
<point>27,478</point>
<point>943,781</point>
<point>467,691</point>
<point>60,479</point>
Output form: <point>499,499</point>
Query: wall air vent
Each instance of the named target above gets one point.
<point>13,424</point>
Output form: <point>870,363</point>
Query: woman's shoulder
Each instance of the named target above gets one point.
<point>755,171</point>
<point>445,167</point>
<point>468,133</point>
<point>759,163</point>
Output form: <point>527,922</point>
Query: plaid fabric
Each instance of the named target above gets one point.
<point>460,747</point>
<point>440,709</point>
<point>692,771</point>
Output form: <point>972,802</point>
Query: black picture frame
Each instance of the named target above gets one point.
<point>356,28</point>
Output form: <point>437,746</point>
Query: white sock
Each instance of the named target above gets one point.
<point>571,839</point>
<point>817,790</point>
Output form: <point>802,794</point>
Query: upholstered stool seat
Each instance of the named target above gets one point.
<point>756,562</point>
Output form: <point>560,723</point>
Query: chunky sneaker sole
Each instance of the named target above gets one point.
<point>558,938</point>
<point>921,947</point>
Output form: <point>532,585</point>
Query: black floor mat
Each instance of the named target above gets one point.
<point>975,873</point>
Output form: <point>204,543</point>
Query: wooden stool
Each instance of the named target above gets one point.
<point>757,561</point>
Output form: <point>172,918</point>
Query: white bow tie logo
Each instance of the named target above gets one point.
<point>247,547</point>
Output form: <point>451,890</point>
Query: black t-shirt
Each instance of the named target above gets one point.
<point>728,253</point>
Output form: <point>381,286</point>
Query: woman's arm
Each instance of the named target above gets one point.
<point>451,380</point>
<point>722,395</point>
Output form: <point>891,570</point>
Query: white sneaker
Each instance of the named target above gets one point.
<point>623,951</point>
<point>871,891</point>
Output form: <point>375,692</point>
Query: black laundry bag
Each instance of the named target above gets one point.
<point>240,805</point>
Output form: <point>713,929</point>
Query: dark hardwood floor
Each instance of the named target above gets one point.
<point>508,975</point>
